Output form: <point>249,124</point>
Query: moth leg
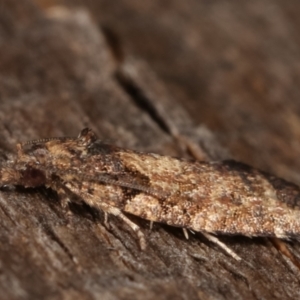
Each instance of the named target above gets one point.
<point>108,209</point>
<point>106,219</point>
<point>216,241</point>
<point>118,213</point>
<point>65,196</point>
<point>64,199</point>
<point>63,193</point>
<point>151,225</point>
<point>186,233</point>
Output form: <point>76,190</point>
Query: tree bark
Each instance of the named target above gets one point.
<point>183,78</point>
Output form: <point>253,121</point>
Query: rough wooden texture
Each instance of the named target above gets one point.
<point>189,78</point>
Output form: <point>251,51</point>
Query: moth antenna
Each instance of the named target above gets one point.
<point>38,141</point>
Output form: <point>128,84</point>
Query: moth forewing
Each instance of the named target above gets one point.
<point>222,197</point>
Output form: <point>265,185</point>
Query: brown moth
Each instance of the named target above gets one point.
<point>224,197</point>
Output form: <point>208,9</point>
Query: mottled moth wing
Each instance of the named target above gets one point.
<point>219,197</point>
<point>216,197</point>
<point>213,197</point>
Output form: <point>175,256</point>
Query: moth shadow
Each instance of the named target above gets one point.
<point>76,207</point>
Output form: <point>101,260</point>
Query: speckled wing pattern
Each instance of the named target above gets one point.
<point>218,197</point>
<point>224,197</point>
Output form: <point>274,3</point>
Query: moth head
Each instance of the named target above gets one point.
<point>86,137</point>
<point>64,147</point>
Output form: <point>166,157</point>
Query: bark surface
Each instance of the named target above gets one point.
<point>207,80</point>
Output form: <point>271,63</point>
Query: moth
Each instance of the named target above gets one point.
<point>223,197</point>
